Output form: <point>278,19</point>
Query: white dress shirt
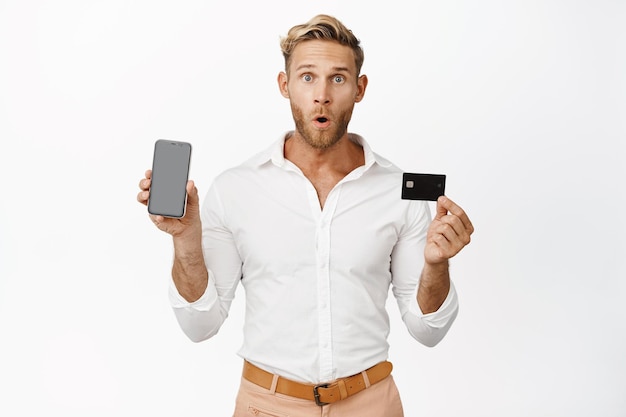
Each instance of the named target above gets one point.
<point>316,280</point>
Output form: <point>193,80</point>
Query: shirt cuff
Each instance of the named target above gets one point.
<point>204,303</point>
<point>441,317</point>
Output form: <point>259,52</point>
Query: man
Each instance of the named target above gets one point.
<point>316,232</point>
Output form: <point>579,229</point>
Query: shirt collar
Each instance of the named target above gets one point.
<point>276,155</point>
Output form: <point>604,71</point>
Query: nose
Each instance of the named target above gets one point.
<point>322,93</point>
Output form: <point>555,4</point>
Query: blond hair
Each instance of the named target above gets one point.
<point>321,27</point>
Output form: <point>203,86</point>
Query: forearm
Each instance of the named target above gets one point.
<point>199,306</point>
<point>189,271</point>
<point>433,287</point>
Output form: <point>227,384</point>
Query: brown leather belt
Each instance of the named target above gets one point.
<point>322,394</point>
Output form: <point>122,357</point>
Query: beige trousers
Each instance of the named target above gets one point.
<point>379,400</point>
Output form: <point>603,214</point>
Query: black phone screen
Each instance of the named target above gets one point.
<point>170,172</point>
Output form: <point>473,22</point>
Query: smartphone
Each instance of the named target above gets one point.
<point>423,186</point>
<point>170,172</point>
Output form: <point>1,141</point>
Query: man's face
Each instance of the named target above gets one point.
<point>322,87</point>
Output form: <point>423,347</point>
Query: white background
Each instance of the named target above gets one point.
<point>521,103</point>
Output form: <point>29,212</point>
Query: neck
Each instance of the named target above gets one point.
<point>324,167</point>
<point>341,158</point>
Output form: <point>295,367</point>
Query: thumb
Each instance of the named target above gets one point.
<point>192,193</point>
<point>442,208</point>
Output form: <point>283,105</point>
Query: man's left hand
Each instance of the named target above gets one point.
<point>449,232</point>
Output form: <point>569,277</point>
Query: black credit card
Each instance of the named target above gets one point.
<point>423,186</point>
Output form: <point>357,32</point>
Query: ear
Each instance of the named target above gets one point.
<point>361,86</point>
<point>282,84</point>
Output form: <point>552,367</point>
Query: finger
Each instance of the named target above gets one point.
<point>447,229</point>
<point>440,247</point>
<point>144,184</point>
<point>143,196</point>
<point>161,222</point>
<point>447,243</point>
<point>456,226</point>
<point>157,219</point>
<point>445,204</point>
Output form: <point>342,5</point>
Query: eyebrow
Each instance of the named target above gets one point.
<point>309,66</point>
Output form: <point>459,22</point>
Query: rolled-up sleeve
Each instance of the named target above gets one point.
<point>200,319</point>
<point>429,329</point>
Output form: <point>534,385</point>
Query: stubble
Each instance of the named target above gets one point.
<point>321,139</point>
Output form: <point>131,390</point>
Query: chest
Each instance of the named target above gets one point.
<point>285,231</point>
<point>323,185</point>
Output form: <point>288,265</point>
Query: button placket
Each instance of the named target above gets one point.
<point>323,243</point>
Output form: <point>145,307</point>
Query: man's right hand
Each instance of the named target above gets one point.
<point>185,227</point>
<point>189,271</point>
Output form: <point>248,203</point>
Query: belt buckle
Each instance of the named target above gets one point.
<point>316,394</point>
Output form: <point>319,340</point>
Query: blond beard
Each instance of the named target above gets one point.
<point>320,139</point>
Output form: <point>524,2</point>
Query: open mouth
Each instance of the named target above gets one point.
<point>320,121</point>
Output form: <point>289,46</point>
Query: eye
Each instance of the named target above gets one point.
<point>338,79</point>
<point>307,78</point>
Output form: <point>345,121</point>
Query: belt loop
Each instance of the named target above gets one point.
<point>274,383</point>
<point>366,379</point>
<point>343,392</point>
